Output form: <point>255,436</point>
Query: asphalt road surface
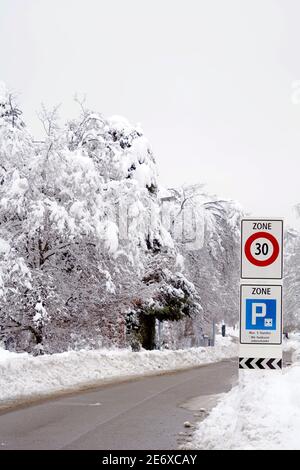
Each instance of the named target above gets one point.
<point>148,413</point>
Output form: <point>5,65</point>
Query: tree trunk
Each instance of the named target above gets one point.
<point>147,331</point>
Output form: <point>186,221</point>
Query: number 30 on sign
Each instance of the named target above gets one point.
<point>261,256</point>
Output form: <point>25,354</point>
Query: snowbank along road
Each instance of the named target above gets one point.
<point>147,413</point>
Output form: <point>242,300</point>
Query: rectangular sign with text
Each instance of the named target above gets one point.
<point>261,249</point>
<point>261,314</point>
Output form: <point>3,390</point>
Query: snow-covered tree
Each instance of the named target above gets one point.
<point>207,232</point>
<point>9,111</point>
<point>291,291</point>
<point>80,220</point>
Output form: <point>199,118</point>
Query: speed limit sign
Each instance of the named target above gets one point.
<point>261,256</point>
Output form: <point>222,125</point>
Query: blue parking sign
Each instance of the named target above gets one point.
<point>260,314</point>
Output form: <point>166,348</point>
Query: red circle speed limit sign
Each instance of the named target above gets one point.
<point>261,249</point>
<point>262,254</point>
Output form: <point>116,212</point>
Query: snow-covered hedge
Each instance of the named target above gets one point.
<point>24,378</point>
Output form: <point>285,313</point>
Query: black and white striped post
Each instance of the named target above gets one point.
<point>260,342</point>
<point>261,363</point>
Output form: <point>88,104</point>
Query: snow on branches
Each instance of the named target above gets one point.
<point>80,217</point>
<point>92,252</point>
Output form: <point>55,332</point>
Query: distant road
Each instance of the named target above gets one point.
<point>147,413</point>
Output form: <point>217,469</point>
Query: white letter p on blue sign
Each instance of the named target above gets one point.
<point>259,310</point>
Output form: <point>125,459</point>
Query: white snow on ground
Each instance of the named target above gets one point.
<point>293,345</point>
<point>24,377</point>
<point>261,412</point>
<point>235,332</point>
<point>230,331</point>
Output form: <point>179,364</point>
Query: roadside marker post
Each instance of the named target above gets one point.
<point>260,341</point>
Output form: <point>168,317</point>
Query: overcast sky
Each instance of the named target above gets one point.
<point>211,82</point>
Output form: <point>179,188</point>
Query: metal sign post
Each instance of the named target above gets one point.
<point>261,302</point>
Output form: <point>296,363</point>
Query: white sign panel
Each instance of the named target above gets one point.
<point>261,256</point>
<point>261,314</point>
